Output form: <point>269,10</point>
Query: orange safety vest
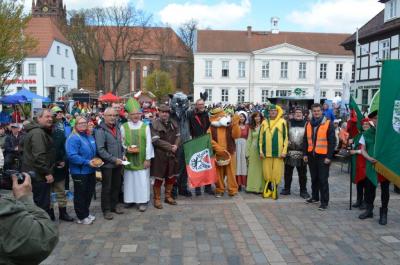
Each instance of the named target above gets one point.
<point>321,145</point>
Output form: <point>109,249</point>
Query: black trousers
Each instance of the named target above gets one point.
<point>319,172</point>
<point>41,194</point>
<point>110,187</point>
<point>360,190</point>
<point>370,193</point>
<point>84,186</point>
<point>302,171</point>
<point>183,176</point>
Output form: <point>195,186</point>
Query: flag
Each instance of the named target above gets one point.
<point>200,161</point>
<point>354,126</point>
<point>387,140</point>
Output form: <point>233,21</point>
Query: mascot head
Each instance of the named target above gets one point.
<point>219,118</point>
<point>179,103</point>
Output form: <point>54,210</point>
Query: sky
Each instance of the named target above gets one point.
<point>294,15</point>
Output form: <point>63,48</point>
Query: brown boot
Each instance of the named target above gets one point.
<point>157,196</point>
<point>169,183</point>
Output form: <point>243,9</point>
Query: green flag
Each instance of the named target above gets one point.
<point>387,141</point>
<point>200,161</point>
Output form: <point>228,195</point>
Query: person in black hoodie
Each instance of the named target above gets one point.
<point>318,146</point>
<point>294,157</point>
<point>199,123</point>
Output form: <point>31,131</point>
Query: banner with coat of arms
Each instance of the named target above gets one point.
<point>200,161</point>
<point>388,130</point>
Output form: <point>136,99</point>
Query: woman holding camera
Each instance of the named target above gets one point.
<point>81,153</point>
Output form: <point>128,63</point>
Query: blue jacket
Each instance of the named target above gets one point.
<point>81,148</point>
<point>329,114</point>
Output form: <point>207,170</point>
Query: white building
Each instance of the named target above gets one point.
<point>283,67</point>
<point>49,70</point>
<point>379,40</point>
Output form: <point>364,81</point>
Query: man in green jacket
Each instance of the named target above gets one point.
<point>27,235</point>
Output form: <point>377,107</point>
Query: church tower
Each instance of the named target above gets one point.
<point>49,8</point>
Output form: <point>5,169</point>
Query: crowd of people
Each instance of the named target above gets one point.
<point>129,146</point>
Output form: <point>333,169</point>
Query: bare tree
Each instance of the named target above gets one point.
<point>187,33</point>
<point>123,28</point>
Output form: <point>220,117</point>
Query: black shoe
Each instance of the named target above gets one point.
<point>51,214</point>
<point>304,195</point>
<point>285,192</point>
<point>64,215</point>
<point>383,216</point>
<point>185,193</point>
<point>129,205</point>
<point>369,213</point>
<point>208,189</point>
<point>357,204</point>
<point>396,189</point>
<point>363,206</point>
<point>311,200</point>
<point>198,191</point>
<point>323,207</point>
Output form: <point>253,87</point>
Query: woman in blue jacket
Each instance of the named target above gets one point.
<point>81,151</point>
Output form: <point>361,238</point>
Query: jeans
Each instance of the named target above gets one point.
<point>41,194</point>
<point>110,187</point>
<point>319,172</point>
<point>84,186</point>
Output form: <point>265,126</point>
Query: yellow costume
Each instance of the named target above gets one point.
<point>273,143</point>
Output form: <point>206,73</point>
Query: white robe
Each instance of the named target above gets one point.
<point>137,182</point>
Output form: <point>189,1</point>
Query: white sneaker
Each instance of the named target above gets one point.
<point>92,217</point>
<point>86,221</point>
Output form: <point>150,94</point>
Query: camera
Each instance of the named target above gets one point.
<point>6,180</point>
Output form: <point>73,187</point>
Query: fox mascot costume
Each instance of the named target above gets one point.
<point>224,130</point>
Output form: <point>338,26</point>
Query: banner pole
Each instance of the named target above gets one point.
<point>351,183</point>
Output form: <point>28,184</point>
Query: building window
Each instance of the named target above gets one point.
<point>302,70</point>
<point>339,71</point>
<point>66,53</point>
<point>338,94</point>
<point>62,73</point>
<point>72,74</point>
<point>33,89</point>
<point>323,94</point>
<point>272,93</point>
<point>145,71</point>
<point>384,52</point>
<point>373,91</point>
<point>284,69</point>
<point>208,68</point>
<point>58,50</point>
<point>32,69</point>
<point>364,98</point>
<point>265,69</point>
<point>353,72</point>
<point>322,70</point>
<point>392,9</point>
<point>209,94</point>
<point>224,95</point>
<point>52,70</point>
<point>264,96</point>
<point>242,69</point>
<point>225,68</point>
<point>240,98</point>
<point>19,69</point>
<point>282,93</point>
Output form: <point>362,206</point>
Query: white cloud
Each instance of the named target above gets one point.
<point>336,15</point>
<point>218,15</point>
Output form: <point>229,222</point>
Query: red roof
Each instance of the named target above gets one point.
<point>45,31</point>
<point>239,41</point>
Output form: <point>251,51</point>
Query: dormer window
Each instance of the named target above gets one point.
<point>391,11</point>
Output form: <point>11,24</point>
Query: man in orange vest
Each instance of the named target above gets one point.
<point>318,147</point>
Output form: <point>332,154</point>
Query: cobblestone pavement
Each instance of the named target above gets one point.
<point>245,229</point>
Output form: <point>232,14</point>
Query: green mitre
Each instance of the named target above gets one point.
<point>133,106</point>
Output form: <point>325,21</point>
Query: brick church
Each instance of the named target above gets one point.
<point>161,48</point>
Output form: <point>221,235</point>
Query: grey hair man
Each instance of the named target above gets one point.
<point>39,156</point>
<point>110,149</point>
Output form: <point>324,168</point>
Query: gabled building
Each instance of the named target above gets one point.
<point>50,69</point>
<point>378,40</point>
<point>283,67</point>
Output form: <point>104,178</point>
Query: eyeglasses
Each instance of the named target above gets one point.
<point>111,115</point>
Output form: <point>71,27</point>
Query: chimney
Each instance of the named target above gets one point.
<point>248,31</point>
<point>275,25</point>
